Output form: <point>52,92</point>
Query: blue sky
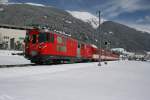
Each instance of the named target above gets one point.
<point>135,13</point>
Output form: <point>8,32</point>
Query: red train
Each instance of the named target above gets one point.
<point>45,47</point>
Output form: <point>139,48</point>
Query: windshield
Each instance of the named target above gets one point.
<point>34,38</point>
<point>43,37</point>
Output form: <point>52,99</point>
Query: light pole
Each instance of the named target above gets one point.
<point>100,40</point>
<point>106,53</point>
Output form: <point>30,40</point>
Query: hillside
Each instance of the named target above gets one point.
<point>26,15</point>
<point>125,37</point>
<point>119,35</point>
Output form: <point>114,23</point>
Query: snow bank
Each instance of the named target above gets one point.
<point>9,52</point>
<point>6,58</point>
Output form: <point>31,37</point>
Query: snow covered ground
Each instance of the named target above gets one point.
<point>6,58</point>
<point>119,80</point>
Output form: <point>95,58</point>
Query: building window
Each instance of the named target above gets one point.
<point>6,37</point>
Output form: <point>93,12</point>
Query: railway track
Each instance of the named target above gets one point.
<point>25,65</point>
<point>17,65</point>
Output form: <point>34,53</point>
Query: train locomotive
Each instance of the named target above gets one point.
<point>46,47</point>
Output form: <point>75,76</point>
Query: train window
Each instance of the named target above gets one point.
<point>34,38</point>
<point>59,39</point>
<point>42,37</point>
<point>50,37</point>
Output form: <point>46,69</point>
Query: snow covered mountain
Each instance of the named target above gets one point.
<point>86,17</point>
<point>76,24</point>
<point>4,2</point>
<point>35,4</point>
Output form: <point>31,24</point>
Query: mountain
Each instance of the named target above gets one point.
<point>125,37</point>
<point>27,14</point>
<point>79,25</point>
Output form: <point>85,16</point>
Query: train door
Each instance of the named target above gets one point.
<point>31,44</point>
<point>79,50</point>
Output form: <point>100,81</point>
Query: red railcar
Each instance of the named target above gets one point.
<point>104,55</point>
<point>43,47</point>
<point>47,47</point>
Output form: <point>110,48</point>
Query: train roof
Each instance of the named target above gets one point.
<point>60,33</point>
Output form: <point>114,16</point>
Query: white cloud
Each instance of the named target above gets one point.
<point>116,7</point>
<point>145,20</point>
<point>139,20</point>
<point>3,1</point>
<point>129,5</point>
<point>140,27</point>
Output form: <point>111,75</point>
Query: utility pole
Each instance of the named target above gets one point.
<point>105,51</point>
<point>100,40</point>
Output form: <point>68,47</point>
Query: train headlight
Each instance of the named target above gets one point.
<point>34,53</point>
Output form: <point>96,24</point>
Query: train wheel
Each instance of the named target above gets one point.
<point>36,62</point>
<point>72,61</point>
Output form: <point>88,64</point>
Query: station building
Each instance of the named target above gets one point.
<point>12,37</point>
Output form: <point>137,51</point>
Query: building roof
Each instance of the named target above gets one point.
<point>14,27</point>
